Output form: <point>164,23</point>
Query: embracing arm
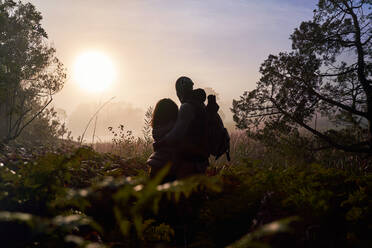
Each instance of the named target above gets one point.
<point>185,116</point>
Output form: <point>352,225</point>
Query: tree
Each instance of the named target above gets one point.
<point>46,130</point>
<point>30,72</point>
<point>327,73</point>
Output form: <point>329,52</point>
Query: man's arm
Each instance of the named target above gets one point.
<point>185,116</point>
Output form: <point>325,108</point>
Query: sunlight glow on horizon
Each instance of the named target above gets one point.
<point>94,71</point>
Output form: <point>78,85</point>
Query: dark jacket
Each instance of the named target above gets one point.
<point>164,154</point>
<point>184,146</point>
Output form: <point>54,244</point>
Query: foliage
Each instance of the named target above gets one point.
<point>125,144</point>
<point>281,195</point>
<point>30,73</point>
<point>266,230</point>
<point>146,130</point>
<point>328,73</point>
<point>81,198</point>
<point>45,130</point>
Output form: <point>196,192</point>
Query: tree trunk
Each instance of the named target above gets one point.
<point>4,123</point>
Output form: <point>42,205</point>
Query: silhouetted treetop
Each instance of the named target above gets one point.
<point>30,72</point>
<point>327,73</point>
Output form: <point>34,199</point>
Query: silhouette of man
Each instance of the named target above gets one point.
<point>189,132</point>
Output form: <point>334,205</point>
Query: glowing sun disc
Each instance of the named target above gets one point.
<point>94,71</point>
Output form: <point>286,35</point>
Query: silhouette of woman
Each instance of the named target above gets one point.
<point>163,120</point>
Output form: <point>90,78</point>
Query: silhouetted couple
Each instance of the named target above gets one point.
<point>182,137</point>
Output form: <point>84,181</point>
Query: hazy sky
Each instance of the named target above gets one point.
<point>218,43</point>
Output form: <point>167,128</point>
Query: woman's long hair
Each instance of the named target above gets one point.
<point>165,111</point>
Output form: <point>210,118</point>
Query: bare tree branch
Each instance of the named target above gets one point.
<point>348,148</point>
<point>33,118</point>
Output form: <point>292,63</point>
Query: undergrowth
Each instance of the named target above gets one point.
<point>86,199</point>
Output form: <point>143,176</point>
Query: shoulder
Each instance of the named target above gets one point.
<point>186,110</point>
<point>188,107</point>
<point>159,132</point>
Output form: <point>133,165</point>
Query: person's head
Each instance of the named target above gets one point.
<point>199,95</point>
<point>184,86</point>
<point>165,112</point>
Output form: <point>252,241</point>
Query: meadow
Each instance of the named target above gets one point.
<point>77,196</point>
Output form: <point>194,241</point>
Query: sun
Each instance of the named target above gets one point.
<point>94,71</point>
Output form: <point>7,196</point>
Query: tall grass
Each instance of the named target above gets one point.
<point>137,148</point>
<point>242,149</point>
<point>125,144</point>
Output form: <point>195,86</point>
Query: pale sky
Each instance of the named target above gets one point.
<point>218,43</point>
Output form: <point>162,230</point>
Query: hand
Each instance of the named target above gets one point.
<point>211,99</point>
